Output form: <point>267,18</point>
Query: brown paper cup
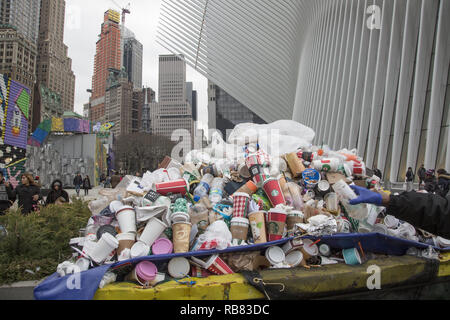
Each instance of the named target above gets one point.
<point>258,225</point>
<point>181,234</point>
<point>295,164</point>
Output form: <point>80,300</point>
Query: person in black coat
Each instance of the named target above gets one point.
<point>427,211</point>
<point>443,182</point>
<point>86,185</point>
<point>28,193</point>
<point>56,193</point>
<point>77,182</point>
<point>6,195</point>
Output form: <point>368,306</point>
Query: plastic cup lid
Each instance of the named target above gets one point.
<point>241,194</point>
<point>311,249</point>
<point>179,267</point>
<point>139,249</point>
<point>162,246</point>
<point>277,210</point>
<point>323,185</point>
<point>240,220</point>
<point>147,270</point>
<point>296,213</point>
<point>275,255</point>
<point>294,258</point>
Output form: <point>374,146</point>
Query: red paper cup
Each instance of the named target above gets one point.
<point>252,160</point>
<point>276,221</point>
<point>176,186</point>
<point>273,190</point>
<point>358,168</point>
<point>217,266</point>
<point>241,203</point>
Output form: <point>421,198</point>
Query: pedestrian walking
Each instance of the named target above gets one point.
<point>57,195</point>
<point>86,185</point>
<point>77,181</point>
<point>28,194</point>
<point>421,174</point>
<point>6,195</point>
<point>409,179</point>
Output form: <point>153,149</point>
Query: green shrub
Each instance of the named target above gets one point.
<point>39,240</point>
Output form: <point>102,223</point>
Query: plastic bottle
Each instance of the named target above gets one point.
<point>203,187</point>
<point>216,193</point>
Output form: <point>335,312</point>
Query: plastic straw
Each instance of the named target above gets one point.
<point>315,242</point>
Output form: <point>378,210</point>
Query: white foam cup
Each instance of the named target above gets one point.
<point>107,244</point>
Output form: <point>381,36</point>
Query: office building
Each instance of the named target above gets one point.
<point>173,111</point>
<point>23,16</point>
<point>107,56</point>
<point>365,74</point>
<point>132,58</point>
<point>227,111</point>
<point>149,97</point>
<point>54,67</point>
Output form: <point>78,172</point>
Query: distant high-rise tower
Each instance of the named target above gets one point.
<point>22,15</point>
<point>149,97</point>
<point>54,67</point>
<point>173,110</point>
<point>225,112</point>
<point>108,55</point>
<point>132,57</point>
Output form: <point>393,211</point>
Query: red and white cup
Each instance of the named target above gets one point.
<point>241,202</point>
<point>273,190</point>
<point>276,221</point>
<point>359,169</point>
<point>326,165</point>
<point>217,266</point>
<point>176,186</point>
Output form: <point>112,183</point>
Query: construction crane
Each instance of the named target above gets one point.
<point>125,10</point>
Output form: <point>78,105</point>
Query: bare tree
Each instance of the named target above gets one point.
<point>139,151</point>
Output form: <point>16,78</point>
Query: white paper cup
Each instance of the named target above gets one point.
<point>107,244</point>
<point>179,268</point>
<point>294,259</point>
<point>309,249</point>
<point>139,249</point>
<point>126,217</point>
<point>275,255</point>
<point>115,206</point>
<point>152,231</point>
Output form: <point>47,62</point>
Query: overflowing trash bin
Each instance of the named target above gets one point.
<point>253,191</point>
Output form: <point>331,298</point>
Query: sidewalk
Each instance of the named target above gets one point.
<point>93,193</point>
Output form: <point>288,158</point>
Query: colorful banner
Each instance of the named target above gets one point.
<point>14,112</point>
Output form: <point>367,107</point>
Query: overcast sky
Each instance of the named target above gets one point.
<point>82,27</point>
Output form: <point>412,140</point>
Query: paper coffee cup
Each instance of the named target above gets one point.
<point>293,218</point>
<point>275,255</point>
<point>144,273</point>
<point>295,164</point>
<point>126,241</point>
<point>241,203</point>
<point>217,266</point>
<point>257,221</point>
<point>239,228</point>
<point>139,249</point>
<point>179,268</point>
<point>126,217</point>
<point>276,221</point>
<point>273,190</point>
<point>181,236</point>
<point>103,248</point>
<point>291,245</point>
<point>295,258</point>
<point>309,249</point>
<point>152,231</point>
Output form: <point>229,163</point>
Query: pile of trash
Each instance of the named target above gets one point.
<point>267,183</point>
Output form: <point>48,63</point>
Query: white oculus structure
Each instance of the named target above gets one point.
<point>365,74</point>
